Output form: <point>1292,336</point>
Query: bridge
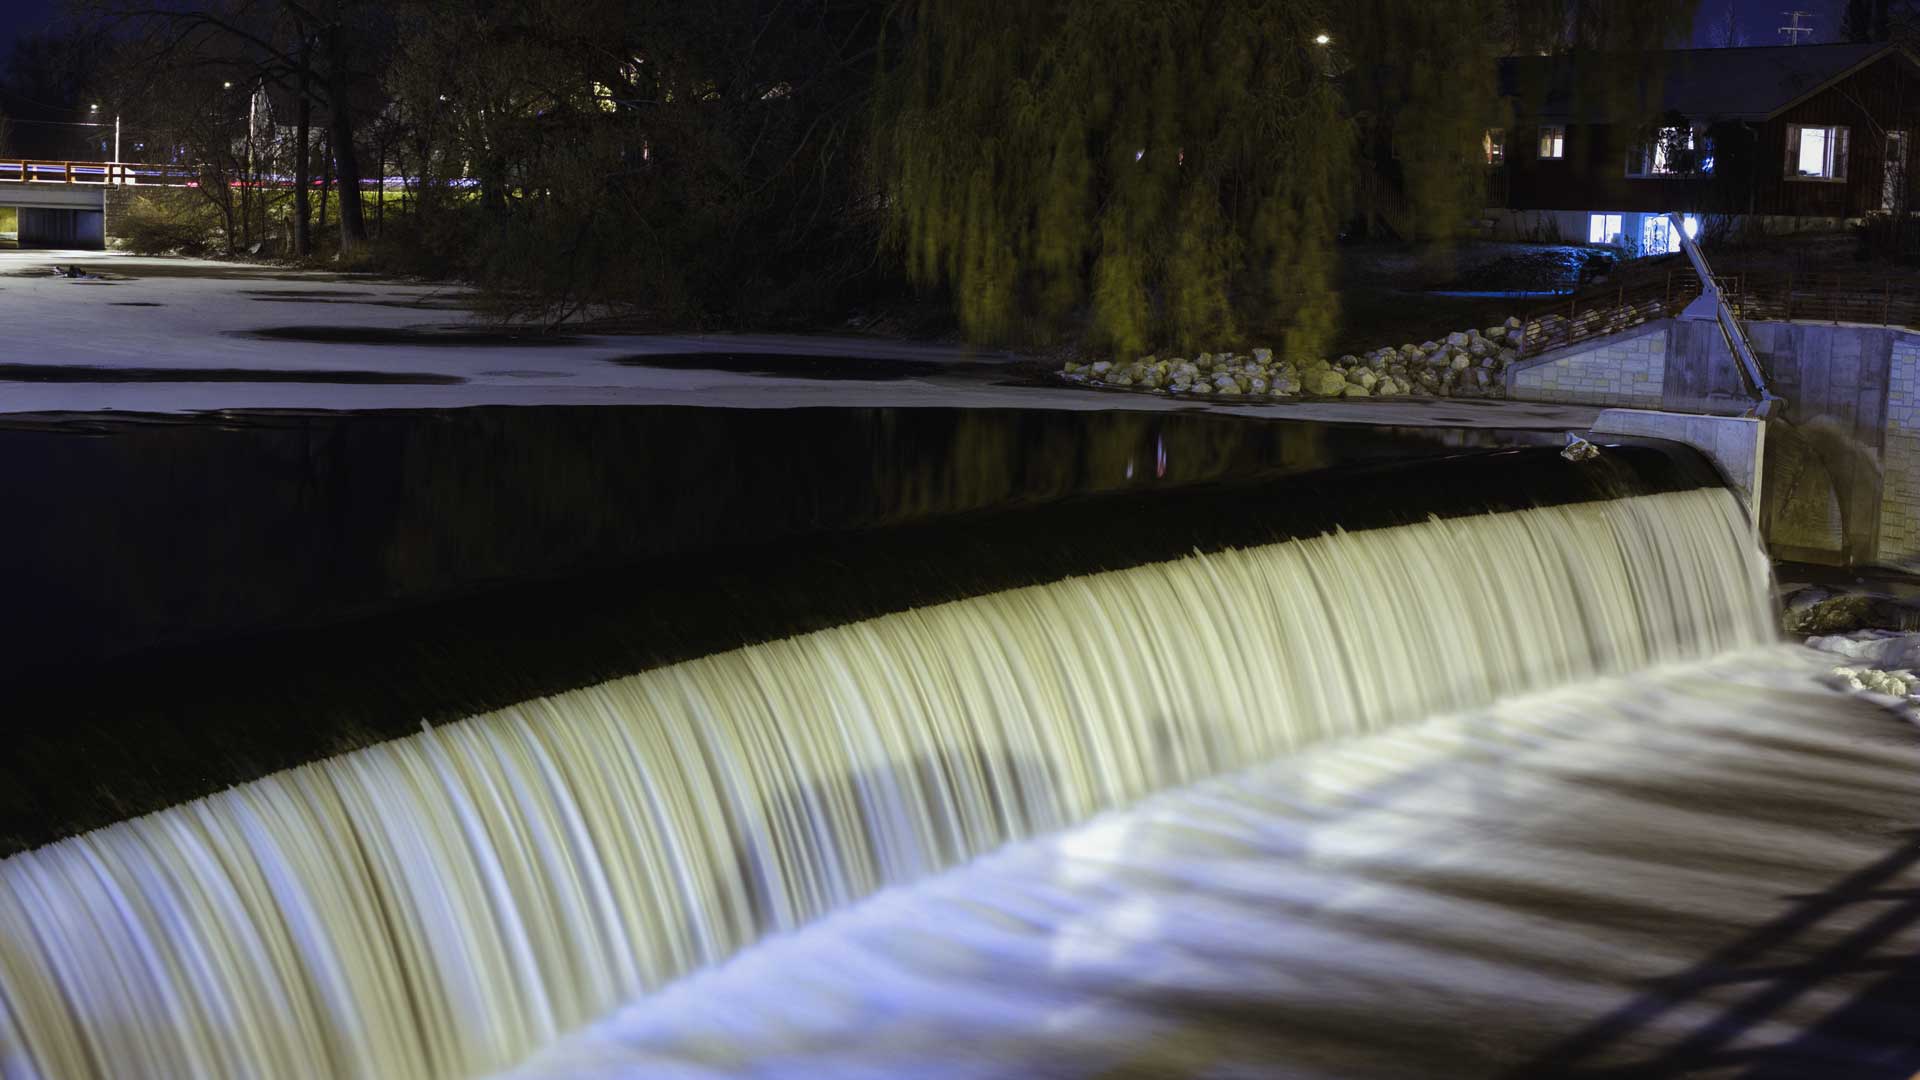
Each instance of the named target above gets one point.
<point>63,204</point>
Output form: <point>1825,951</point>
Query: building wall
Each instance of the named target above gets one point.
<point>1750,168</point>
<point>1623,369</point>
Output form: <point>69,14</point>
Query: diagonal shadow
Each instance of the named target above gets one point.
<point>1873,1023</point>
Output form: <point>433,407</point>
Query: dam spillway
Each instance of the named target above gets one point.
<point>445,903</point>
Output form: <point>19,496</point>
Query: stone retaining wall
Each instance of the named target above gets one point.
<point>1623,369</point>
<point>1899,539</point>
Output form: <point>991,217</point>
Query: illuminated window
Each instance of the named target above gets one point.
<point>1553,142</point>
<point>1816,153</point>
<point>1658,237</point>
<point>1604,229</point>
<point>1672,151</point>
<point>1494,142</point>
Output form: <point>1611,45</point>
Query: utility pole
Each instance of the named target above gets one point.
<point>1792,33</point>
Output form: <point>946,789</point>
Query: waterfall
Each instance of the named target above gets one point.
<point>445,903</point>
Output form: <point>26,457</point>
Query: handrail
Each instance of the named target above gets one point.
<point>1599,311</point>
<point>1768,402</point>
<point>101,173</point>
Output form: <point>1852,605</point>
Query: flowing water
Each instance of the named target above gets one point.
<point>445,904</point>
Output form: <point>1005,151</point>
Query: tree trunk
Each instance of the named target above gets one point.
<point>326,186</point>
<point>303,166</point>
<point>380,203</point>
<point>353,225</point>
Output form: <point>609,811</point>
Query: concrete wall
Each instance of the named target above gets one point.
<point>1620,369</point>
<point>1899,531</point>
<point>50,215</point>
<point>1573,226</point>
<point>1735,445</point>
<point>1844,467</point>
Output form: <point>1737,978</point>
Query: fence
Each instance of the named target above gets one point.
<point>1607,309</point>
<point>1874,299</point>
<point>28,171</point>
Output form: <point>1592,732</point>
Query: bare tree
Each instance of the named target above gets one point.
<point>1726,32</point>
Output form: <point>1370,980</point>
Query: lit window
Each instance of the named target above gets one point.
<point>1816,153</point>
<point>1672,151</point>
<point>1494,142</point>
<point>1604,229</point>
<point>1658,236</point>
<point>1553,142</point>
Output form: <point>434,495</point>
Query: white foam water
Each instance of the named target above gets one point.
<point>444,904</point>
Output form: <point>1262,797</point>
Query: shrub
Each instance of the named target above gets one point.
<point>155,226</point>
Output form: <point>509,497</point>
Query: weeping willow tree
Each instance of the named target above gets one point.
<point>1172,171</point>
<point>1422,84</point>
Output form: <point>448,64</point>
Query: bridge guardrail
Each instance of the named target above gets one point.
<point>103,173</point>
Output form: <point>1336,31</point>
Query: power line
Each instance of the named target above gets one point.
<point>1792,33</point>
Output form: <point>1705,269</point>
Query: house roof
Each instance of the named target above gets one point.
<point>1704,84</point>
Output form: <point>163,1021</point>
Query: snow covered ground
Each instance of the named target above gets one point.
<point>1708,870</point>
<point>180,335</point>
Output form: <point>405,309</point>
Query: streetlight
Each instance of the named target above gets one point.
<point>1322,39</point>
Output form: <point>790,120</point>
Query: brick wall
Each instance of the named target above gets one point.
<point>1900,485</point>
<point>1616,370</point>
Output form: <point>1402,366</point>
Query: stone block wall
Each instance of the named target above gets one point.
<point>1621,369</point>
<point>1900,486</point>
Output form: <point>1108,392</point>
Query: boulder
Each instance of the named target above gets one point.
<point>1256,385</point>
<point>1513,323</point>
<point>1101,367</point>
<point>1457,339</point>
<point>1284,383</point>
<point>1462,361</point>
<point>1356,391</point>
<point>1363,378</point>
<point>1263,356</point>
<point>1326,383</point>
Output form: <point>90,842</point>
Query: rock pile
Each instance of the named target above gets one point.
<point>1468,363</point>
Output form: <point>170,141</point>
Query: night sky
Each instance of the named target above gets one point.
<point>1759,19</point>
<point>23,18</point>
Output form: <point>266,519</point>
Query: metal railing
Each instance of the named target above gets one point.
<point>101,173</point>
<point>1873,299</point>
<point>1606,309</point>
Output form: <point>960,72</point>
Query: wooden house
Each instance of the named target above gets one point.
<point>1785,138</point>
